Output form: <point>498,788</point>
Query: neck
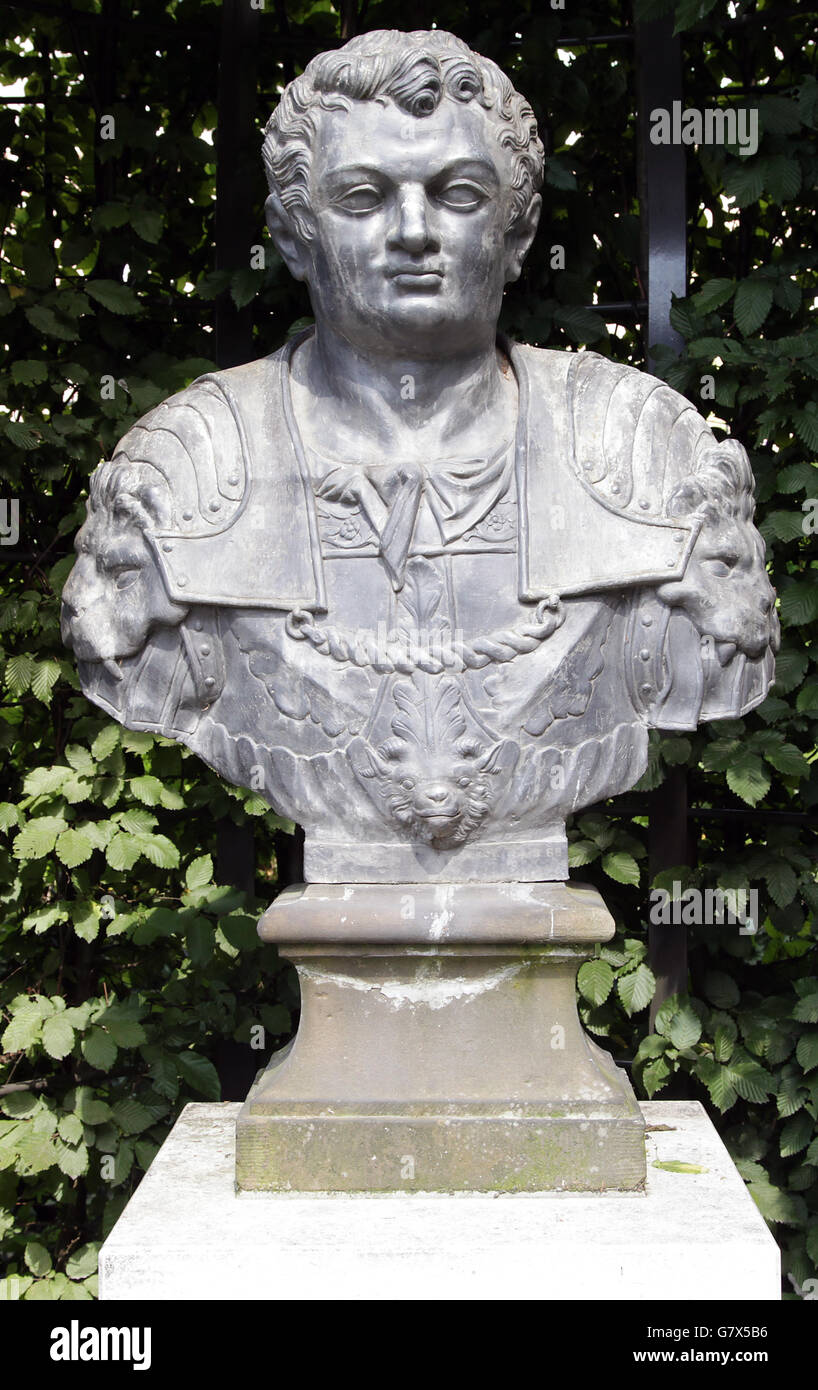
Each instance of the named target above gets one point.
<point>389,396</point>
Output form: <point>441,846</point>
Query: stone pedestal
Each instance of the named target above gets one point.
<point>439,1048</point>
<point>692,1235</point>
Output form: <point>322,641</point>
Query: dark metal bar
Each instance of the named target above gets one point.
<point>661,176</point>
<point>625,36</point>
<point>238,169</point>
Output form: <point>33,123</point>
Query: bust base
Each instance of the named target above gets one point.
<point>689,1236</point>
<point>440,1047</point>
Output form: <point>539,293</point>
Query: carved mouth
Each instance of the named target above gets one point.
<point>438,817</point>
<point>408,278</point>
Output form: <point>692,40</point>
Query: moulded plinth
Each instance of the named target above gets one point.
<point>439,1047</point>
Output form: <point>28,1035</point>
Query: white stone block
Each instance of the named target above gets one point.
<point>187,1234</point>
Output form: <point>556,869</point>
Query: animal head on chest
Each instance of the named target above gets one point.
<point>433,777</point>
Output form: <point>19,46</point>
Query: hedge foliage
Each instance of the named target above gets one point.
<point>130,977</point>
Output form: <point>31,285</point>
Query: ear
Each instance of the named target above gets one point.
<point>501,757</point>
<point>289,245</point>
<point>365,762</point>
<point>519,238</point>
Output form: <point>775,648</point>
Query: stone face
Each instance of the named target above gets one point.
<point>439,1047</point>
<point>424,589</point>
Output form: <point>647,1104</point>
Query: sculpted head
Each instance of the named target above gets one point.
<point>114,596</point>
<point>725,589</point>
<point>404,172</point>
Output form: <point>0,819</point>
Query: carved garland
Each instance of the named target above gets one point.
<point>441,653</point>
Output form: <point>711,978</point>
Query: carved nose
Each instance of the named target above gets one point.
<point>436,793</point>
<point>412,229</point>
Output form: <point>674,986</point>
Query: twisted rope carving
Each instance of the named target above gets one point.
<point>362,648</point>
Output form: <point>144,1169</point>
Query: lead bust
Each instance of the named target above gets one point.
<point>428,590</point>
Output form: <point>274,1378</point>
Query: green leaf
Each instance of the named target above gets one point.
<point>621,866</point>
<point>722,1091</point>
<point>147,789</point>
<point>105,742</point>
<point>558,174</point>
<point>581,852</point>
<point>74,847</point>
<point>244,286</point>
<point>782,177</point>
<point>147,224</point>
<point>200,940</point>
<point>723,1043</point>
<point>595,979</point>
<point>116,297</point>
<point>28,373</point>
<point>24,1030</point>
<point>83,1261</point>
<point>159,850</point>
<point>99,1049</point>
<point>744,181</point>
<point>58,1036</point>
<point>69,1128</point>
<point>71,1160</point>
<point>85,918</point>
<point>582,325</point>
<point>806,1010</point>
<point>750,1080</point>
<point>807,1050</point>
<point>44,320</point>
<point>685,1028</point>
<point>137,821</point>
<point>799,603</point>
<point>38,837</point>
<point>37,1258</point>
<point>654,1076</point>
<point>91,1110</point>
<point>200,1074</point>
<point>636,989</point>
<point>753,302</point>
<point>796,1134</point>
<point>132,1116</point>
<point>781,881</point>
<point>675,1165</point>
<point>199,872</point>
<point>45,677</point>
<point>123,851</point>
<point>749,779</point>
<point>19,673</point>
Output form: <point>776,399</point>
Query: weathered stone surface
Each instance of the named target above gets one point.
<point>689,1236</point>
<point>439,1047</point>
<point>426,590</point>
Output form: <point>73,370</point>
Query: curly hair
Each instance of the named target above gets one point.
<point>415,71</point>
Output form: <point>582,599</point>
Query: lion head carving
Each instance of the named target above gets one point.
<point>114,596</point>
<point>725,590</point>
<point>436,782</point>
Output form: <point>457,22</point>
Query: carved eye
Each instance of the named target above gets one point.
<point>408,783</point>
<point>365,198</point>
<point>124,576</point>
<point>722,566</point>
<point>464,781</point>
<point>463,197</point>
